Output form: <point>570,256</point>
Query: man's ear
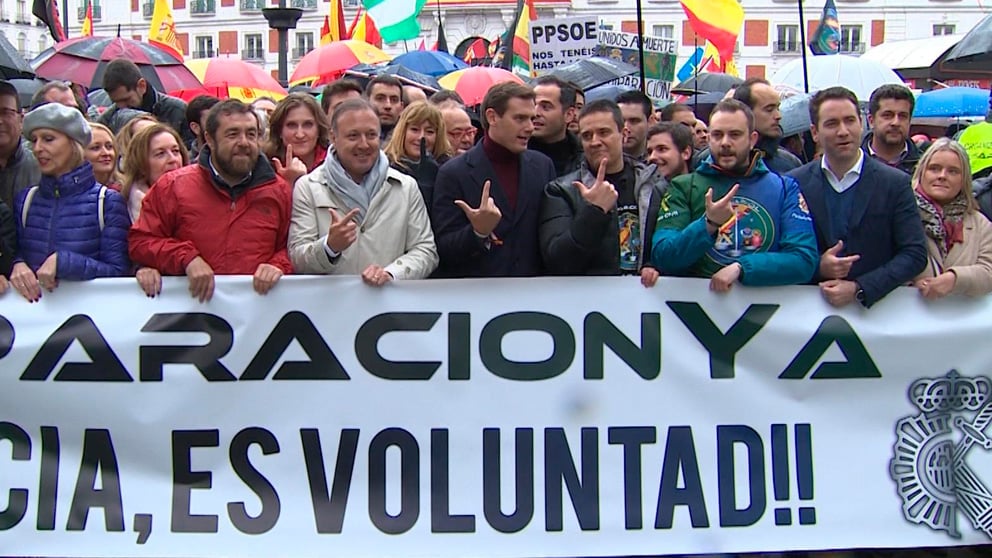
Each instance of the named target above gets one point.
<point>142,87</point>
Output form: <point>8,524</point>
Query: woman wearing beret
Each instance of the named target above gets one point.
<point>69,227</point>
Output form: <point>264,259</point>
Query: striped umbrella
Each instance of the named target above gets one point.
<point>331,60</point>
<point>473,83</point>
<point>230,78</point>
<point>83,60</point>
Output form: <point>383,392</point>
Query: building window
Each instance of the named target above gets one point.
<point>788,39</point>
<point>22,42</point>
<point>850,39</point>
<point>943,29</point>
<point>204,47</point>
<point>352,3</point>
<point>22,11</point>
<point>663,31</point>
<point>304,44</point>
<point>253,47</point>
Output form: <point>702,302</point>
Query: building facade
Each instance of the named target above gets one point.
<point>24,31</point>
<point>771,36</point>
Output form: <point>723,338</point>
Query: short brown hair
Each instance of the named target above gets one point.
<point>138,151</point>
<point>731,106</point>
<point>836,93</point>
<point>338,87</point>
<point>498,98</point>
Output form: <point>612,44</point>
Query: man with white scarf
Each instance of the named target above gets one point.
<point>355,215</point>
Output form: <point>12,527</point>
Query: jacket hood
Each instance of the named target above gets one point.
<point>756,167</point>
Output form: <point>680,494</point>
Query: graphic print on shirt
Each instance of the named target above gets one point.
<point>750,230</point>
<point>630,238</point>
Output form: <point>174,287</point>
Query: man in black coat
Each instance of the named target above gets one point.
<point>555,109</point>
<point>868,228</point>
<point>486,200</point>
<point>128,88</point>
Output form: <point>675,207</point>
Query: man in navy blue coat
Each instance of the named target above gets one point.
<point>868,228</point>
<point>486,200</point>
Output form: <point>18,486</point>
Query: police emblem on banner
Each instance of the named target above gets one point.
<point>933,456</point>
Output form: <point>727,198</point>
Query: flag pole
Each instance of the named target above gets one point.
<point>65,17</point>
<point>640,44</point>
<point>803,46</point>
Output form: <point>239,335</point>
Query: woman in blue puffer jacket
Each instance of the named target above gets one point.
<point>69,226</point>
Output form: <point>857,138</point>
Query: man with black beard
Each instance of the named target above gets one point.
<point>228,214</point>
<point>733,220</point>
<point>764,102</point>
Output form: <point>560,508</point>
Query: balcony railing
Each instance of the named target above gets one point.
<point>97,12</point>
<point>787,47</point>
<point>303,4</point>
<point>301,52</point>
<point>253,54</point>
<point>202,7</point>
<point>147,9</point>
<point>852,48</point>
<point>203,53</point>
<point>252,5</point>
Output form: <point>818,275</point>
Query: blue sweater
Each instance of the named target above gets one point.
<point>63,219</point>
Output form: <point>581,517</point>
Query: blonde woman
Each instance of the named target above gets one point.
<point>959,237</point>
<point>419,146</point>
<point>102,154</point>
<point>153,152</point>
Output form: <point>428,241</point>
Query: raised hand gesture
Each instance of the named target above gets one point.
<point>425,170</point>
<point>343,230</point>
<point>601,194</point>
<point>292,170</point>
<point>720,211</point>
<point>484,218</point>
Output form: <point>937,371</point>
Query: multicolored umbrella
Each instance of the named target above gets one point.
<point>330,61</point>
<point>230,78</point>
<point>429,62</point>
<point>83,60</point>
<point>473,83</point>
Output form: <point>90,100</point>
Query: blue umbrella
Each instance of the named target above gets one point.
<point>430,62</point>
<point>952,102</point>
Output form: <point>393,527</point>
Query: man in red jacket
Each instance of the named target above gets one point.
<point>228,213</point>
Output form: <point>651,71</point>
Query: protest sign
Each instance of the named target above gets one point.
<point>556,42</point>
<point>659,60</point>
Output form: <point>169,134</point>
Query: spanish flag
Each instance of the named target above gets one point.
<point>717,21</point>
<point>518,59</point>
<point>364,29</point>
<point>334,29</point>
<point>87,30</point>
<point>162,30</point>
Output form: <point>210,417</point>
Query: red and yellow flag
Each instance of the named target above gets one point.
<point>334,28</point>
<point>717,21</point>
<point>364,29</point>
<point>162,30</point>
<point>520,64</point>
<point>87,30</point>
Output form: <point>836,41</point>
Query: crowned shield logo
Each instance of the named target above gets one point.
<point>930,462</point>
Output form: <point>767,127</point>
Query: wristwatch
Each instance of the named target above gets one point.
<point>860,295</point>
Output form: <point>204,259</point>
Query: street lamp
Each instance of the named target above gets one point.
<point>282,19</point>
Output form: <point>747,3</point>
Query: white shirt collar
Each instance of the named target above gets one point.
<point>841,184</point>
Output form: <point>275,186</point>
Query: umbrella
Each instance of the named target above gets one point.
<point>857,74</point>
<point>230,78</point>
<point>26,88</point>
<point>976,139</point>
<point>12,64</point>
<point>707,82</point>
<point>795,114</point>
<point>473,83</point>
<point>430,62</point>
<point>973,52</point>
<point>952,102</point>
<point>331,60</point>
<point>83,60</point>
<point>591,72</point>
<point>607,91</point>
<point>402,73</point>
<point>702,104</point>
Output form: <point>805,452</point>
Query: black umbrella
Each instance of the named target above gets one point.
<point>12,64</point>
<point>707,82</point>
<point>702,104</point>
<point>973,52</point>
<point>404,74</point>
<point>26,88</point>
<point>591,72</point>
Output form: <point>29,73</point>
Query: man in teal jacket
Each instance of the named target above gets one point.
<point>733,219</point>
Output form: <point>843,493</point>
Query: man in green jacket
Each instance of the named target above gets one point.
<point>734,220</point>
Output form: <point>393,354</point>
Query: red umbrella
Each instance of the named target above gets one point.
<point>83,60</point>
<point>333,59</point>
<point>473,83</point>
<point>230,78</point>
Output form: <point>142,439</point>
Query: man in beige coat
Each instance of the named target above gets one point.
<point>355,215</point>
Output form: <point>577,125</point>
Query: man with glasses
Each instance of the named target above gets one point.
<point>18,167</point>
<point>458,125</point>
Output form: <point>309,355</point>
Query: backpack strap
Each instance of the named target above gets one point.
<point>103,196</point>
<point>27,205</point>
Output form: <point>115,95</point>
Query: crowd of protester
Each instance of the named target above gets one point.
<point>377,182</point>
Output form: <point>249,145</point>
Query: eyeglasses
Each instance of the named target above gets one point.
<point>9,113</point>
<point>462,132</point>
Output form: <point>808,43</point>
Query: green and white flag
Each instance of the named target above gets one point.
<point>396,19</point>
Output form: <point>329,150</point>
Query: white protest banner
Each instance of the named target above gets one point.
<point>556,42</point>
<point>659,60</point>
<point>499,418</point>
